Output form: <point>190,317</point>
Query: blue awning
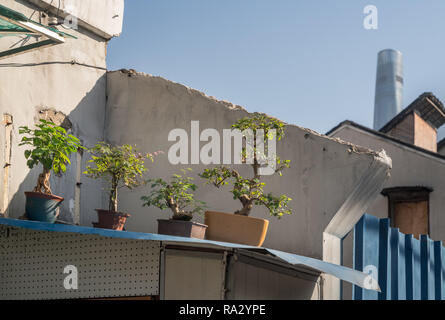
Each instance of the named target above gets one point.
<point>343,273</point>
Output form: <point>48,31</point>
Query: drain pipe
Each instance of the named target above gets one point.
<point>363,195</point>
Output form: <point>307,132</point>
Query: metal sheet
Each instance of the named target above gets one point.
<point>32,265</point>
<point>343,273</point>
<point>407,268</point>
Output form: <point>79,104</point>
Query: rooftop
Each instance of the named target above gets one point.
<point>387,137</point>
<point>427,106</point>
<point>315,265</point>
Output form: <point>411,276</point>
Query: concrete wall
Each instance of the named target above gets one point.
<point>46,79</point>
<point>142,109</point>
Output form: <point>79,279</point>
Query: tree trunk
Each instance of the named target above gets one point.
<point>174,208</point>
<point>112,206</point>
<point>43,182</point>
<point>247,206</point>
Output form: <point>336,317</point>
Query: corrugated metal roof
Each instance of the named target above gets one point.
<point>355,277</point>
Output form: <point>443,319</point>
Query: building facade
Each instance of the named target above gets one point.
<point>413,196</point>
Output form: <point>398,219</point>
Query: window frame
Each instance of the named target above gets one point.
<point>407,194</point>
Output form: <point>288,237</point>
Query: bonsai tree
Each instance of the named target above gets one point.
<point>121,166</point>
<point>51,146</point>
<point>250,191</point>
<point>176,195</point>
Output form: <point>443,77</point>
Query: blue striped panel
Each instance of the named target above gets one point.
<point>431,274</point>
<point>357,292</point>
<point>366,242</point>
<point>409,261</point>
<point>416,269</point>
<point>438,270</point>
<point>408,268</point>
<point>384,261</point>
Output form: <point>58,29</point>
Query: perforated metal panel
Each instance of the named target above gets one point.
<point>32,264</point>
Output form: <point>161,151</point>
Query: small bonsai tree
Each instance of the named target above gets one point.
<point>121,166</point>
<point>51,147</point>
<point>250,191</point>
<point>176,195</point>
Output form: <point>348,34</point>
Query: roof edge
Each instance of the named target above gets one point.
<point>387,137</point>
<point>428,96</point>
<point>343,273</point>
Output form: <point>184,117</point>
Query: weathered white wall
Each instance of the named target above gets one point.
<point>142,109</point>
<point>46,79</point>
<point>103,17</point>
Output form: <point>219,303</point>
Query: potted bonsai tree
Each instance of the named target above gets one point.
<point>239,227</point>
<point>120,166</point>
<point>177,195</point>
<point>51,147</point>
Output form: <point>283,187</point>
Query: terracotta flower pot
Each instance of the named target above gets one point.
<point>111,220</point>
<point>188,229</point>
<point>42,207</point>
<point>229,227</point>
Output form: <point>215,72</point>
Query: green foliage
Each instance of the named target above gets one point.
<point>261,122</point>
<point>176,195</point>
<point>250,191</point>
<point>121,166</point>
<point>51,146</point>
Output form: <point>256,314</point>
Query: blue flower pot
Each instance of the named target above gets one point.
<point>42,207</point>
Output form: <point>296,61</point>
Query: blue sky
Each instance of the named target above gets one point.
<point>307,62</point>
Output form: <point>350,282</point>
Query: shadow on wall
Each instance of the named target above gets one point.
<point>82,195</point>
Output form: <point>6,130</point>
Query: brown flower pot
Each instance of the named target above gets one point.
<point>111,220</point>
<point>229,227</point>
<point>188,229</point>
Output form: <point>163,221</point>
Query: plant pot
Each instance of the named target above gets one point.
<point>42,207</point>
<point>111,220</point>
<point>179,228</point>
<point>229,227</point>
